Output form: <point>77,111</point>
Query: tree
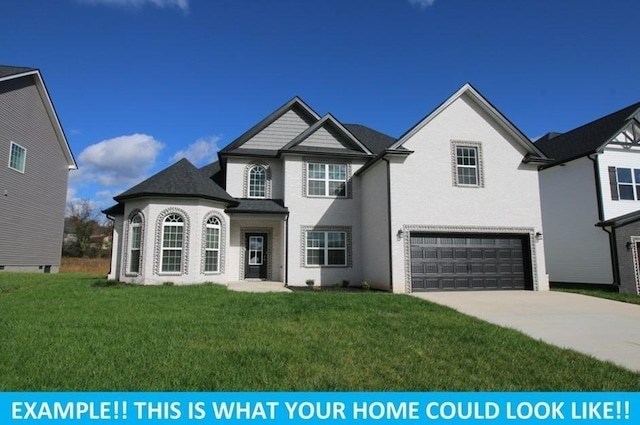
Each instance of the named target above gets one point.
<point>82,217</point>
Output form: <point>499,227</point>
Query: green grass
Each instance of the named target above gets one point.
<point>626,298</point>
<point>61,332</point>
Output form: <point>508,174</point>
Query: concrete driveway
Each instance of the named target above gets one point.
<point>606,330</point>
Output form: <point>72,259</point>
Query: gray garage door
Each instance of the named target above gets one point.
<point>441,262</point>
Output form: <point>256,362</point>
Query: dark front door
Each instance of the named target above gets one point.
<point>255,256</point>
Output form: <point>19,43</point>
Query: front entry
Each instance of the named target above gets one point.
<point>255,264</point>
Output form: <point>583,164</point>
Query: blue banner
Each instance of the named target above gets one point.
<point>318,408</point>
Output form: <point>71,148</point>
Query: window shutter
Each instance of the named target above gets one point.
<point>613,183</point>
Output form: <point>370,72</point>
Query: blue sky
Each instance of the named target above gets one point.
<point>137,84</point>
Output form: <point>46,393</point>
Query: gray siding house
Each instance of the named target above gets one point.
<point>35,160</point>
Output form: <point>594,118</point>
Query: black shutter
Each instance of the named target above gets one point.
<point>613,183</point>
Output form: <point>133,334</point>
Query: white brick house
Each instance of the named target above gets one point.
<point>453,204</point>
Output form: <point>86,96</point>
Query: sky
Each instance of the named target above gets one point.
<point>139,84</point>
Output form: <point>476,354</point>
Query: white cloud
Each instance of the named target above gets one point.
<point>181,4</point>
<point>422,3</point>
<point>201,152</point>
<point>124,160</point>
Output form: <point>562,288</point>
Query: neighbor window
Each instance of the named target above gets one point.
<point>628,183</point>
<point>135,243</point>
<point>17,157</point>
<point>172,243</point>
<point>326,248</point>
<point>326,179</point>
<point>212,246</point>
<point>257,182</point>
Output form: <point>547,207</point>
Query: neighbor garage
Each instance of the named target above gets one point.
<point>458,262</point>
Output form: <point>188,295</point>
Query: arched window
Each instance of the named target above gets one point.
<point>212,245</point>
<point>135,243</point>
<point>257,182</point>
<point>172,243</point>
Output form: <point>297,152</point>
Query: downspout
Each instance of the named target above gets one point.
<point>113,229</point>
<point>612,237</point>
<point>286,250</point>
<point>389,222</point>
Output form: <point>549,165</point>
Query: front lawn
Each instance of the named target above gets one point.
<point>61,332</point>
<point>626,298</point>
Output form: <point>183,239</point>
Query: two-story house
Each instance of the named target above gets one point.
<point>35,160</point>
<point>453,204</point>
<point>590,202</point>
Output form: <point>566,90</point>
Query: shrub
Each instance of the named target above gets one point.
<point>310,282</point>
<point>167,283</point>
<point>366,286</point>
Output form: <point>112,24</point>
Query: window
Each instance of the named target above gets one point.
<point>17,157</point>
<point>257,182</point>
<point>326,179</point>
<point>326,248</point>
<point>172,242</point>
<point>467,165</point>
<point>212,245</point>
<point>628,183</point>
<point>135,244</point>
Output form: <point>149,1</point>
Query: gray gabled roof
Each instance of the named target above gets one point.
<point>586,139</point>
<point>339,132</point>
<point>296,103</point>
<point>182,179</point>
<point>7,70</point>
<point>375,141</point>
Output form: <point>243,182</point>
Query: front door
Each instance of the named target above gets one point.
<point>255,256</point>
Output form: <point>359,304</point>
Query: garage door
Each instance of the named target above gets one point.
<point>458,262</point>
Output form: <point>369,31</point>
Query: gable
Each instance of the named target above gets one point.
<point>491,114</point>
<point>25,88</point>
<point>327,135</point>
<point>280,132</point>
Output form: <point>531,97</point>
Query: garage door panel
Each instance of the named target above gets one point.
<point>472,262</point>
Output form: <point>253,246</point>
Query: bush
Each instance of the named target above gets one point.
<point>310,282</point>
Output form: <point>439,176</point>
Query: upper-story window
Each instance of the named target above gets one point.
<point>172,243</point>
<point>467,164</point>
<point>257,182</point>
<point>17,157</point>
<point>326,179</point>
<point>628,183</point>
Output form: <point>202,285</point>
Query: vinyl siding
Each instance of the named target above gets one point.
<point>619,158</point>
<point>32,205</point>
<point>323,138</point>
<point>279,133</point>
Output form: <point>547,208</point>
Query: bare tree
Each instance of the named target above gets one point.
<point>83,218</point>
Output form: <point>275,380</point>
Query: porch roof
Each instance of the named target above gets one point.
<point>258,206</point>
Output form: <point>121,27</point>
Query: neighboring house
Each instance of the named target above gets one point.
<point>591,202</point>
<point>453,204</point>
<point>35,160</point>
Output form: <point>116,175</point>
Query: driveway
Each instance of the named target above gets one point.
<point>604,329</point>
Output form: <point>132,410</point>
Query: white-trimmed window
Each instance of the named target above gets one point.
<point>628,183</point>
<point>467,165</point>
<point>172,243</point>
<point>326,248</point>
<point>212,245</point>
<point>135,244</point>
<point>257,182</point>
<point>17,157</point>
<point>326,180</point>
